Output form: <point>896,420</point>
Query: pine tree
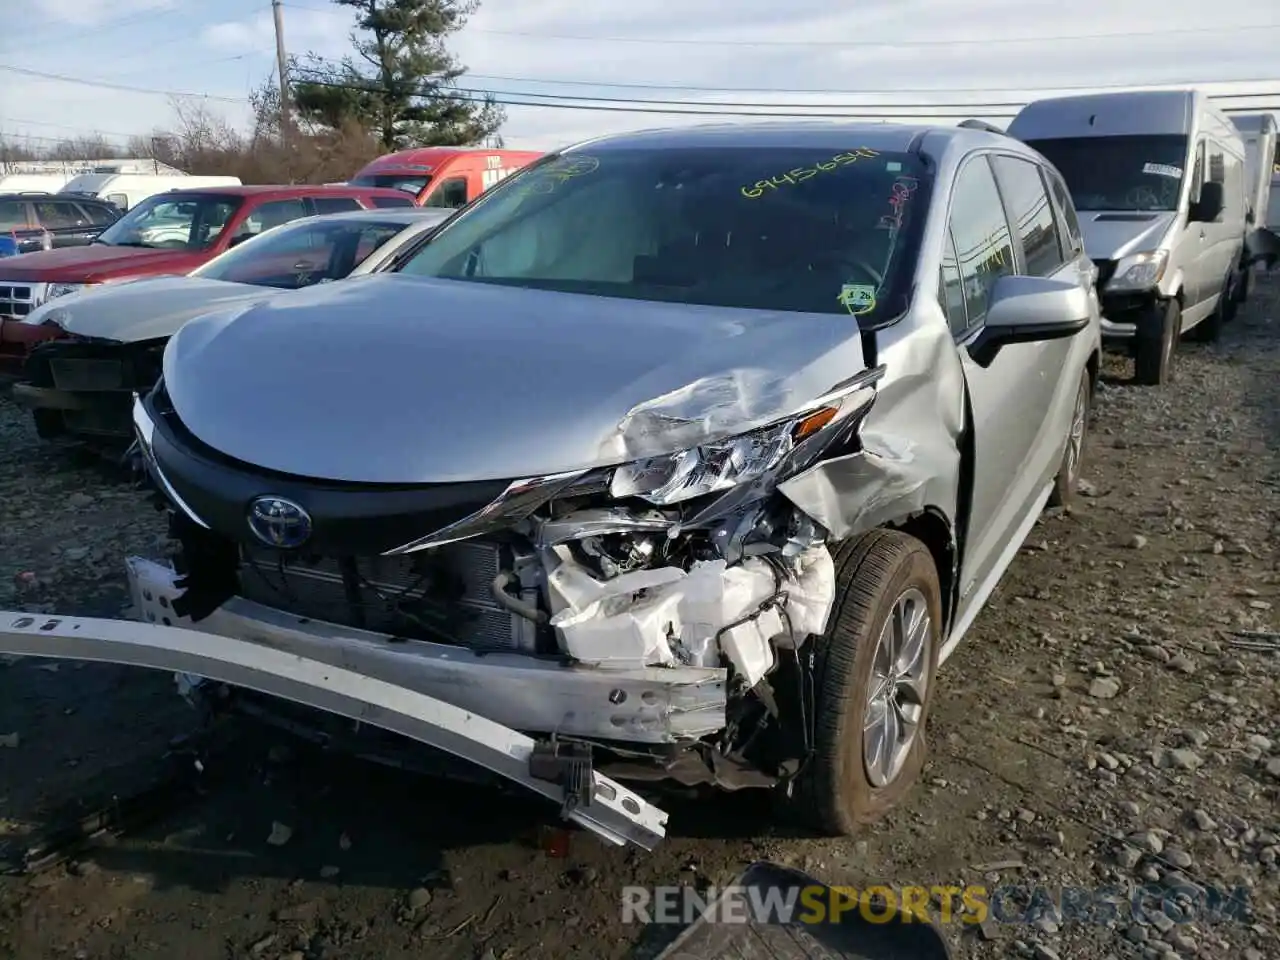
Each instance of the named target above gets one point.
<point>400,83</point>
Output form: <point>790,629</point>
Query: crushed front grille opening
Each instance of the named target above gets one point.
<point>443,595</point>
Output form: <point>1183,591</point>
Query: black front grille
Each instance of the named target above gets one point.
<point>444,594</point>
<point>1106,270</point>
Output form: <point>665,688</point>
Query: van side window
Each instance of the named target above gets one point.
<point>951,289</point>
<point>1031,213</point>
<point>1197,173</point>
<point>1217,164</point>
<point>984,248</point>
<point>451,193</point>
<point>393,202</point>
<point>335,204</point>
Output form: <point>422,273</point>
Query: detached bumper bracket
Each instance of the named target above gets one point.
<point>568,765</point>
<point>597,803</point>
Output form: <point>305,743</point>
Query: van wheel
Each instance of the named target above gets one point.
<point>1244,285</point>
<point>873,682</point>
<point>1064,484</point>
<point>1154,347</point>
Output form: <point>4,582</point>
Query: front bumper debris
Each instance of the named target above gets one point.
<point>652,705</point>
<point>597,803</point>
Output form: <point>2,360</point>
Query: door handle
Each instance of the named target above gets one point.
<point>302,265</point>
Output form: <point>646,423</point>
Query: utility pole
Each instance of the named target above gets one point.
<point>282,65</point>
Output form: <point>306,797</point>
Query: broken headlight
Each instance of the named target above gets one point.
<point>716,466</point>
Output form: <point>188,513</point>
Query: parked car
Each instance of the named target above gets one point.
<point>1159,180</point>
<point>40,221</point>
<point>167,234</point>
<point>443,176</point>
<point>697,449</point>
<point>127,190</point>
<point>82,384</point>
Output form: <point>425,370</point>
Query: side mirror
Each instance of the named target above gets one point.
<point>1210,205</point>
<point>1030,310</point>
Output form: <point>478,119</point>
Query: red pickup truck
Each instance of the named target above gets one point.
<point>169,233</point>
<point>443,176</point>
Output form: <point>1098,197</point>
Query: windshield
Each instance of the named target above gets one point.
<point>172,223</point>
<point>408,182</point>
<point>1119,173</point>
<point>814,230</point>
<point>301,253</point>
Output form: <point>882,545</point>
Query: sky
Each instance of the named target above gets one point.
<point>906,54</point>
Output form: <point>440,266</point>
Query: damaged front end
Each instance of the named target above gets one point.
<point>82,388</point>
<point>656,612</point>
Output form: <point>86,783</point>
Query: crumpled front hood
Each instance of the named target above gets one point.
<point>1110,235</point>
<point>145,309</point>
<point>404,380</point>
<point>97,261</point>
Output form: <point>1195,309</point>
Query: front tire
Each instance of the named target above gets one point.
<point>1154,348</point>
<point>874,679</point>
<point>1068,478</point>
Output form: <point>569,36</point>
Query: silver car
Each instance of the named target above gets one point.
<point>697,451</point>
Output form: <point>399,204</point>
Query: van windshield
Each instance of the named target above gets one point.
<point>413,183</point>
<point>812,230</point>
<point>166,222</point>
<point>1120,173</point>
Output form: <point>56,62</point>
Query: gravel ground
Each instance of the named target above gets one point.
<point>1099,727</point>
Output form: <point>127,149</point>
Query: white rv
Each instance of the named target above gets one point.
<point>126,190</point>
<point>1158,180</point>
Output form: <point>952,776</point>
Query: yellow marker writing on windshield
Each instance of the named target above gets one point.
<point>801,174</point>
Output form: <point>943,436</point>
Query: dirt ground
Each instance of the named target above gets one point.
<point>1102,695</point>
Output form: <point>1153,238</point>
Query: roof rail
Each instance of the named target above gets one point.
<point>982,125</point>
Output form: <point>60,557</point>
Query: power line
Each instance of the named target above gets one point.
<point>1173,85</point>
<point>107,85</point>
<point>687,107</point>
<point>861,43</point>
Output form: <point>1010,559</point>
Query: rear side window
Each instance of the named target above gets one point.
<point>13,215</point>
<point>271,214</point>
<point>984,248</point>
<point>393,202</point>
<point>336,204</point>
<point>1031,213</point>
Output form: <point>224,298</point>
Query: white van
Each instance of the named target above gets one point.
<point>125,190</point>
<point>1158,179</point>
<point>33,182</point>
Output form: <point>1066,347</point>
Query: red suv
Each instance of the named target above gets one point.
<point>169,233</point>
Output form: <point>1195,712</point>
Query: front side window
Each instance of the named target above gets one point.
<point>1142,172</point>
<point>300,254</point>
<point>382,202</point>
<point>984,248</point>
<point>162,222</point>
<point>1073,239</point>
<point>951,289</point>
<point>409,183</point>
<point>450,193</point>
<point>98,214</point>
<point>829,229</point>
<point>1031,213</point>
